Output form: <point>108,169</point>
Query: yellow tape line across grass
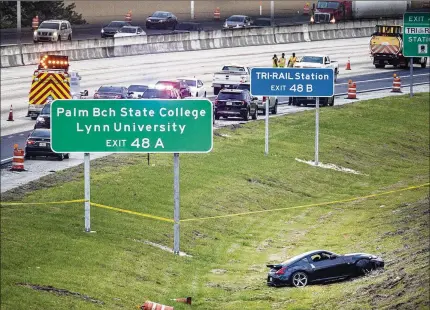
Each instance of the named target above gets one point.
<point>159,218</point>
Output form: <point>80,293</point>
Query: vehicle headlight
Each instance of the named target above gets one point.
<point>103,30</point>
<point>35,33</point>
<point>225,25</point>
<point>55,34</point>
<point>160,21</point>
<point>40,119</point>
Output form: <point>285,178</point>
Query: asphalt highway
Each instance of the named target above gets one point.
<point>92,31</point>
<point>365,83</point>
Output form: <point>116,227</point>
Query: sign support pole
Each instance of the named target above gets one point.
<point>411,84</point>
<point>176,203</point>
<point>192,9</point>
<point>87,191</point>
<point>18,25</point>
<point>266,146</point>
<point>272,12</point>
<point>317,127</point>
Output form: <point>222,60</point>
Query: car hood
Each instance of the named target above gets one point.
<point>307,65</point>
<point>111,29</point>
<point>47,30</point>
<point>232,23</point>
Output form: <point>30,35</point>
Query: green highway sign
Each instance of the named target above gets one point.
<point>416,34</point>
<point>132,126</point>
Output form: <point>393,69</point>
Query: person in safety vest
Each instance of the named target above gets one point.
<point>292,60</point>
<point>275,61</point>
<point>282,61</point>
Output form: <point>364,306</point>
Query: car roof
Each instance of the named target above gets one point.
<point>55,21</point>
<point>314,55</point>
<point>238,16</point>
<point>161,12</point>
<point>131,27</point>
<point>118,21</point>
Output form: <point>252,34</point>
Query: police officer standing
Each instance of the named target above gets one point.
<point>282,61</point>
<point>275,61</point>
<point>292,60</point>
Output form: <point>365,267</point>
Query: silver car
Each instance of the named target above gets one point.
<point>237,21</point>
<point>53,31</point>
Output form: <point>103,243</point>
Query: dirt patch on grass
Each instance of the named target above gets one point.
<point>60,292</point>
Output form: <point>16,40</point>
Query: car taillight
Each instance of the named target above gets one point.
<point>216,102</point>
<point>281,271</point>
<point>243,102</point>
<point>96,96</point>
<point>30,142</point>
<point>264,99</point>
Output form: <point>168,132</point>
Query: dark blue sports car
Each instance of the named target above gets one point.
<point>321,266</point>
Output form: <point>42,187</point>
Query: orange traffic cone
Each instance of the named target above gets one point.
<point>186,300</point>
<point>348,65</point>
<point>10,118</point>
<point>149,305</point>
<point>397,84</point>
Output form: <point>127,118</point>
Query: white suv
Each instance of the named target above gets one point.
<point>52,31</point>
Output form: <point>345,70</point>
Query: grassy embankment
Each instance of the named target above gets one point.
<point>386,140</point>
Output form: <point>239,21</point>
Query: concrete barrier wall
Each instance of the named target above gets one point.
<point>11,56</point>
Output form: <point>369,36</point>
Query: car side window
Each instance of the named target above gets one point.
<point>327,59</point>
<point>63,26</point>
<point>199,83</point>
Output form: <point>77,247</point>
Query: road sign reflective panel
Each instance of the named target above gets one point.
<point>416,34</point>
<point>292,82</point>
<point>132,126</point>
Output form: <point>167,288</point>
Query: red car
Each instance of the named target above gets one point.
<point>181,86</point>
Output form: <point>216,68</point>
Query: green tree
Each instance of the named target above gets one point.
<point>44,9</point>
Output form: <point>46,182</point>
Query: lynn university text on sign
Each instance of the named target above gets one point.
<point>292,82</point>
<point>132,126</point>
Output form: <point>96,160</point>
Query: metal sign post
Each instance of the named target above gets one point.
<point>132,126</point>
<point>192,9</point>
<point>416,38</point>
<point>306,83</point>
<point>317,128</point>
<point>176,203</point>
<point>87,191</point>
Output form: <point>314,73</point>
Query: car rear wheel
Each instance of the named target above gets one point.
<point>255,115</point>
<point>61,156</point>
<point>332,101</point>
<point>67,156</point>
<point>299,279</point>
<point>246,115</point>
<point>275,108</point>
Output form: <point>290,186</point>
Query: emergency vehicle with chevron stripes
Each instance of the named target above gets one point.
<point>51,81</point>
<point>386,47</point>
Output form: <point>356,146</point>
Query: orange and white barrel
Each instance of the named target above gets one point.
<point>352,90</point>
<point>397,84</point>
<point>18,159</point>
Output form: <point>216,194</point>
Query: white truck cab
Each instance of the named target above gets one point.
<point>230,76</point>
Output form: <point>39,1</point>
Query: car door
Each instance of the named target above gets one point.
<point>320,266</point>
<point>63,31</point>
<point>338,266</point>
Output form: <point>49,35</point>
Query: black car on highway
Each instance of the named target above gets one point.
<point>39,144</point>
<point>236,103</point>
<point>113,27</point>
<point>112,92</point>
<point>44,118</point>
<point>161,20</point>
<point>321,266</point>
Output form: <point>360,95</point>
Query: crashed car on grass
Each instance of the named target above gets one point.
<point>321,266</point>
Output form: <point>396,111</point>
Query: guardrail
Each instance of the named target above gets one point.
<point>12,56</point>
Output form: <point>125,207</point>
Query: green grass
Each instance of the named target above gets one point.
<point>387,140</point>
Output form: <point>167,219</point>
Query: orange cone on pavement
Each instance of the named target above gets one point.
<point>18,159</point>
<point>10,118</point>
<point>348,65</point>
<point>397,84</point>
<point>186,300</point>
<point>149,305</point>
<point>352,90</point>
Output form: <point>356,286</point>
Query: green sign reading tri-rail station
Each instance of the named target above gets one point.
<point>132,126</point>
<point>416,34</point>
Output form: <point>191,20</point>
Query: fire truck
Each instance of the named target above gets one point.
<point>52,80</point>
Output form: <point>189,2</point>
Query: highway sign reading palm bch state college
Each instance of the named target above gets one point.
<point>416,34</point>
<point>132,126</point>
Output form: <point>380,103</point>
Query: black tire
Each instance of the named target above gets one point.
<point>299,279</point>
<point>216,90</point>
<point>246,115</point>
<point>255,115</point>
<point>423,65</point>
<point>67,156</point>
<point>379,66</point>
<point>61,157</point>
<point>363,267</point>
<point>69,38</point>
<point>216,116</point>
<point>275,108</point>
<point>332,101</point>
<point>325,102</point>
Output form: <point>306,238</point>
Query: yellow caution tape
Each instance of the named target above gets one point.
<point>41,203</point>
<point>132,212</point>
<point>307,206</point>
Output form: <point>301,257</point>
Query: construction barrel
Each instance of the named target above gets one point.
<point>352,90</point>
<point>35,23</point>
<point>18,159</point>
<point>217,14</point>
<point>128,16</point>
<point>397,84</point>
<point>306,9</point>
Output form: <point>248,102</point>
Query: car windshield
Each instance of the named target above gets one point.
<point>49,26</point>
<point>46,109</point>
<point>156,93</point>
<point>233,68</point>
<point>160,14</point>
<point>327,5</point>
<point>117,24</point>
<point>235,18</point>
<point>128,30</point>
<point>231,96</point>
<point>244,86</point>
<point>109,89</point>
<point>41,133</point>
<point>137,88</point>
<point>191,83</point>
<point>314,59</point>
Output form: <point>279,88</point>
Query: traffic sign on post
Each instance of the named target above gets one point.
<point>416,34</point>
<point>132,126</point>
<point>292,82</point>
